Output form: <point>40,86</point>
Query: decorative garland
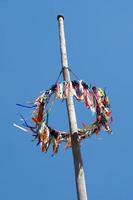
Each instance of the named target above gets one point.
<point>94,99</point>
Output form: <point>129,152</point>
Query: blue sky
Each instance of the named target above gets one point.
<point>99,38</point>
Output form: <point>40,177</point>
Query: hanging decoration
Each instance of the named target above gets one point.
<point>94,99</point>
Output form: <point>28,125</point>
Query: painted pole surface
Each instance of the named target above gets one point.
<point>78,163</point>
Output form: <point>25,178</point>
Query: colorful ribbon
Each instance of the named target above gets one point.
<point>94,99</point>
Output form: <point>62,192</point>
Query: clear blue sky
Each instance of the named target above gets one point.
<point>100,46</point>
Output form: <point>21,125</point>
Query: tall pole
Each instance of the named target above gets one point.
<point>78,163</point>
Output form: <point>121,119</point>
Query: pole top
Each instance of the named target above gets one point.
<point>60,16</point>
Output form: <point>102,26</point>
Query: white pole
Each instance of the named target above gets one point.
<point>78,163</point>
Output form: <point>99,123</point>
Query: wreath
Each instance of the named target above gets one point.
<point>94,99</point>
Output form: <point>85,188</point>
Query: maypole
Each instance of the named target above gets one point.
<point>78,163</point>
<point>94,99</point>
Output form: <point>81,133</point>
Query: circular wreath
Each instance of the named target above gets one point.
<point>94,99</point>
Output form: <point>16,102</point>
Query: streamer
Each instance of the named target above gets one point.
<point>94,99</point>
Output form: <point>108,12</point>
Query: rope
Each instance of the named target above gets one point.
<point>58,77</point>
<point>73,74</point>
